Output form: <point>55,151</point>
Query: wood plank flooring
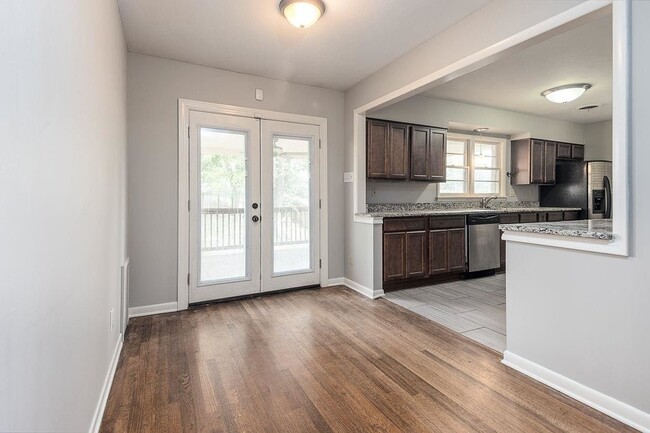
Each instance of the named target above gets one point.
<point>476,308</point>
<point>325,360</point>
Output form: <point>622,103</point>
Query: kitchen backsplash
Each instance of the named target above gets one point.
<point>466,204</point>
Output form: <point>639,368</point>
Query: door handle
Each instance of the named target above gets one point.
<point>255,218</point>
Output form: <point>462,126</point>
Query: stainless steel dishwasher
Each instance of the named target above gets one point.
<point>483,242</point>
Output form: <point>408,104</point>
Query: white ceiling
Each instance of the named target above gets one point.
<point>352,40</point>
<point>582,55</point>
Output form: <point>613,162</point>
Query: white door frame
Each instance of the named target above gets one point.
<point>184,108</point>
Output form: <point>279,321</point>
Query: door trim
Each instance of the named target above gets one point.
<point>184,108</point>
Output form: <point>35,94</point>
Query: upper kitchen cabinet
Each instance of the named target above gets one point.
<point>387,145</point>
<point>428,154</point>
<point>570,151</point>
<point>533,162</point>
<point>400,151</point>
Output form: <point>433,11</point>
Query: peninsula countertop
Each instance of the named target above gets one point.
<point>600,229</point>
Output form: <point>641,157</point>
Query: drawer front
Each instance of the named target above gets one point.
<point>510,218</point>
<point>528,217</point>
<point>571,215</point>
<point>555,216</point>
<point>446,222</point>
<point>404,224</point>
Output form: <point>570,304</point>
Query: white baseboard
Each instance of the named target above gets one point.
<point>365,291</point>
<point>106,389</point>
<point>335,282</point>
<point>610,406</point>
<point>148,310</point>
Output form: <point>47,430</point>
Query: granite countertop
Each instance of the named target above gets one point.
<point>591,229</point>
<point>460,211</point>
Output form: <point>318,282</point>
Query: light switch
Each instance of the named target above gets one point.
<point>348,177</point>
<point>259,94</point>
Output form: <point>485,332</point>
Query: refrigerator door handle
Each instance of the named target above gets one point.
<point>608,197</point>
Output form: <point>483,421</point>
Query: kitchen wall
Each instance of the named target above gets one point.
<point>586,315</point>
<point>63,219</point>
<point>155,85</point>
<point>599,138</point>
<point>437,112</point>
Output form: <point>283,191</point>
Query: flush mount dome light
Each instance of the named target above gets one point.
<point>567,93</point>
<point>302,13</point>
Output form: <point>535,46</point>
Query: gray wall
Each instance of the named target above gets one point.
<point>155,85</point>
<point>437,112</point>
<point>63,174</point>
<point>586,316</point>
<point>598,137</point>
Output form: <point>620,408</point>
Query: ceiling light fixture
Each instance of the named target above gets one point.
<point>567,93</point>
<point>302,13</point>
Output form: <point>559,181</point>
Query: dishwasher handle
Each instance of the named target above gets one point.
<point>473,220</point>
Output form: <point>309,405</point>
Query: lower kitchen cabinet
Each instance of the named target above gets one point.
<point>456,250</point>
<point>438,257</point>
<point>394,256</point>
<point>511,218</point>
<point>417,255</point>
<point>446,251</point>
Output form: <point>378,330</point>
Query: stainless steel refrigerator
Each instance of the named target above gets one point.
<point>583,184</point>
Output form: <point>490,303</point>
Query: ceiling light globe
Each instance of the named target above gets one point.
<point>302,13</point>
<point>564,94</point>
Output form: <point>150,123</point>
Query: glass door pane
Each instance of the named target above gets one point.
<point>291,204</point>
<point>223,197</point>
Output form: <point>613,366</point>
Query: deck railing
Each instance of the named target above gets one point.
<point>225,228</point>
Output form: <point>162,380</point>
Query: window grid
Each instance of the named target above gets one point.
<point>480,171</point>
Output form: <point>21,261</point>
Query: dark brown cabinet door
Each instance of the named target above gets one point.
<point>550,154</point>
<point>377,149</point>
<point>417,255</point>
<point>438,257</point>
<point>419,152</point>
<point>398,152</point>
<point>564,151</point>
<point>537,161</point>
<point>571,215</point>
<point>506,219</point>
<point>394,256</point>
<point>456,250</point>
<point>578,152</point>
<point>437,156</point>
<point>554,216</point>
<point>528,218</point>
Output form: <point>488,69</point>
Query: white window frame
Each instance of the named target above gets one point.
<point>470,142</point>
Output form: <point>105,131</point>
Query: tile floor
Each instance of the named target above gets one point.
<point>476,308</point>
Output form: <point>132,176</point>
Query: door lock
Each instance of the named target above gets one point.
<point>255,205</point>
<point>255,218</point>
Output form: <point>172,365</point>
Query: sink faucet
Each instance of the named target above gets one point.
<point>486,200</point>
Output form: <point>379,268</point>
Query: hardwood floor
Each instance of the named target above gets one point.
<point>324,360</point>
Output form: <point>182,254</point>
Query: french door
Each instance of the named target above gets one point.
<point>254,207</point>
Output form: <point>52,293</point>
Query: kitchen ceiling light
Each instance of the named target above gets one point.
<point>302,13</point>
<point>567,93</point>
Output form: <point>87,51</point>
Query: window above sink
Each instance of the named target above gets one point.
<point>475,167</point>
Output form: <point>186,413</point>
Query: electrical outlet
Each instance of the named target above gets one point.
<point>110,320</point>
